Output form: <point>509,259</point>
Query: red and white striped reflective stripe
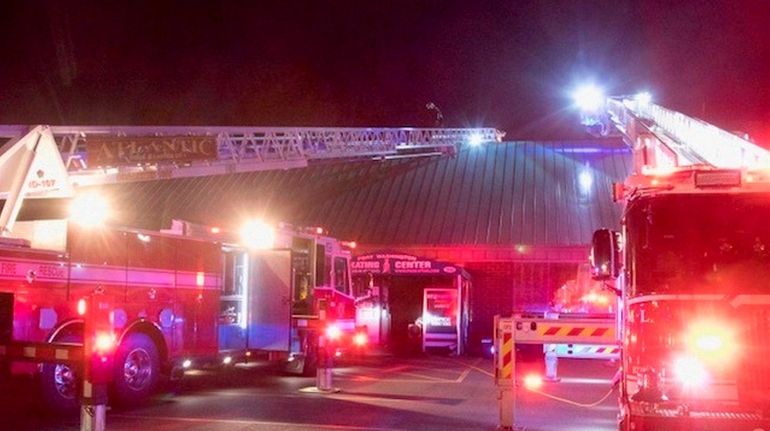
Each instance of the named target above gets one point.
<point>575,331</point>
<point>19,269</point>
<point>440,340</point>
<point>506,353</point>
<point>565,331</point>
<point>587,351</point>
<point>42,352</point>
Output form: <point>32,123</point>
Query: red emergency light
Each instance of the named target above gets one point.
<point>690,372</point>
<point>99,340</point>
<point>333,332</point>
<point>104,342</point>
<point>360,339</point>
<point>533,382</point>
<point>712,341</point>
<point>82,307</point>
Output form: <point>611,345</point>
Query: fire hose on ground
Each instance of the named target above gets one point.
<point>573,403</point>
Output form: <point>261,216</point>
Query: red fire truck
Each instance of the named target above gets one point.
<point>180,300</point>
<point>690,266</point>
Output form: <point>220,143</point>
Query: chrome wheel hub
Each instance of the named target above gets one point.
<point>64,380</point>
<point>137,369</point>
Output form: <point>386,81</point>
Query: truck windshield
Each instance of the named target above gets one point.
<point>699,243</point>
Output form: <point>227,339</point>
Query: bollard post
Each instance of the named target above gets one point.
<point>93,408</point>
<point>551,364</point>
<point>551,358</point>
<point>325,366</point>
<point>98,351</point>
<point>505,372</point>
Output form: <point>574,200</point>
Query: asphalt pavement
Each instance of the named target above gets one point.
<point>380,393</point>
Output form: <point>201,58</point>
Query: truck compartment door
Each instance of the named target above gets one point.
<point>6,317</point>
<point>270,300</point>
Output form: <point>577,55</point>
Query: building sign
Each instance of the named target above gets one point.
<point>440,308</point>
<point>132,150</point>
<point>400,264</point>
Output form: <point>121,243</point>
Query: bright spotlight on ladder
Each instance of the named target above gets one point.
<point>589,98</point>
<point>643,97</point>
<point>89,210</point>
<point>475,140</point>
<point>257,234</point>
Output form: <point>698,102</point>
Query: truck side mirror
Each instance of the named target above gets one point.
<point>605,255</point>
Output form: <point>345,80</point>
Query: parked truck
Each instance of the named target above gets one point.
<point>183,297</point>
<point>179,301</point>
<point>690,266</point>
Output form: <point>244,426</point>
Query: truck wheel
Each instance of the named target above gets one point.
<point>137,370</point>
<point>59,384</point>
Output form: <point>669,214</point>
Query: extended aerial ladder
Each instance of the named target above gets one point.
<point>664,141</point>
<point>50,161</point>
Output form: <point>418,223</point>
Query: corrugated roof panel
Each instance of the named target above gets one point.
<point>364,204</point>
<point>506,208</point>
<point>488,230</point>
<point>422,196</point>
<point>478,226</point>
<point>464,234</point>
<point>547,194</point>
<point>568,200</point>
<point>448,203</point>
<point>526,223</point>
<point>538,212</point>
<point>439,202</point>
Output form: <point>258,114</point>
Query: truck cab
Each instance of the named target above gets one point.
<point>691,264</point>
<point>323,302</point>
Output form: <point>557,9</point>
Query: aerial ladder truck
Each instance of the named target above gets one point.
<point>691,266</point>
<point>186,296</point>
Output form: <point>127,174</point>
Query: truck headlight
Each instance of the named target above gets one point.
<point>690,372</point>
<point>712,341</point>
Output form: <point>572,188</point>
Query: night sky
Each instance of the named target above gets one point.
<point>509,65</point>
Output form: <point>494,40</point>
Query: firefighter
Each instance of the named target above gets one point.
<point>414,332</point>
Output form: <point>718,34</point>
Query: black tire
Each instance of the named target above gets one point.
<point>136,370</point>
<point>60,383</point>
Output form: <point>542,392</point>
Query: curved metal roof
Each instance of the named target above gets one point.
<point>522,192</point>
